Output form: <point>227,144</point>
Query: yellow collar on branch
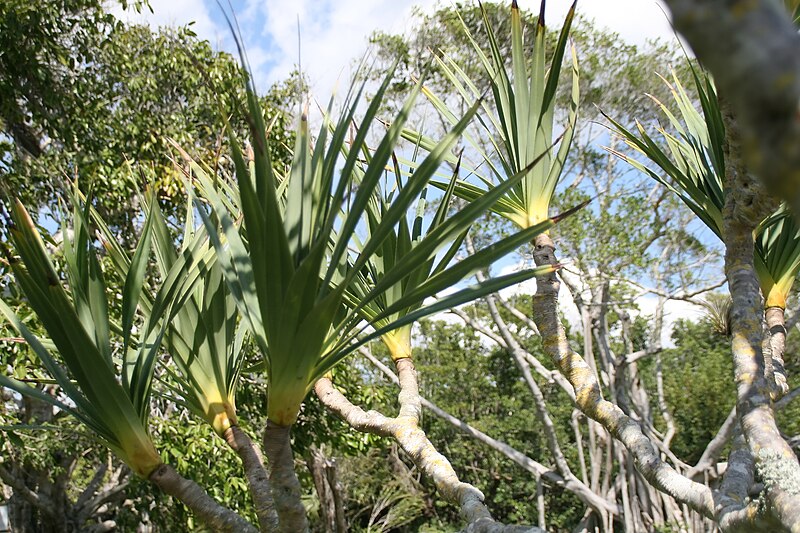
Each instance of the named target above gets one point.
<point>140,455</point>
<point>398,342</point>
<point>283,402</point>
<point>221,416</point>
<point>775,296</point>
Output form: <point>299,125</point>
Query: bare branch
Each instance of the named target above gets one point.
<point>595,501</point>
<point>590,400</point>
<point>257,477</point>
<point>519,315</point>
<point>714,447</point>
<point>416,444</point>
<point>213,514</point>
<point>540,407</point>
<point>92,486</point>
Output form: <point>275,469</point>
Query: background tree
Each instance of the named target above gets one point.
<point>85,95</point>
<point>529,444</point>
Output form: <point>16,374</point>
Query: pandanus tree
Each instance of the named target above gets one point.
<point>691,162</point>
<point>321,262</point>
<point>521,123</point>
<point>406,270</point>
<point>702,165</point>
<point>524,139</point>
<point>510,141</point>
<point>315,260</point>
<point>292,265</point>
<point>308,288</point>
<point>103,366</point>
<point>203,338</point>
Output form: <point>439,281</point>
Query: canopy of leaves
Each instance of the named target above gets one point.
<point>88,96</point>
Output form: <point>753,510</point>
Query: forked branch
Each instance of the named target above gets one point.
<point>406,431</point>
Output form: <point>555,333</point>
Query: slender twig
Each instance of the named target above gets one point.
<point>714,447</point>
<point>593,500</point>
<point>551,376</point>
<point>538,398</point>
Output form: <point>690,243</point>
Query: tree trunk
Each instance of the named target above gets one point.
<point>331,498</point>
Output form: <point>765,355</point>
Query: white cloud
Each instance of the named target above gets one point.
<point>332,34</point>
<point>635,20</point>
<point>335,33</point>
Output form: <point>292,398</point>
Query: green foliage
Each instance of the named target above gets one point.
<point>484,387</point>
<point>208,461</point>
<point>390,499</point>
<point>694,371</point>
<point>42,45</point>
<point>694,161</point>
<point>614,238</point>
<point>202,337</point>
<point>777,256</point>
<point>520,125</point>
<point>324,245</point>
<point>302,276</point>
<point>442,33</point>
<point>87,96</point>
<point>693,168</point>
<point>78,324</point>
<point>614,76</point>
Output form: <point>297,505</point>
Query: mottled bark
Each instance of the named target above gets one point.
<point>257,477</point>
<point>589,398</point>
<point>211,513</point>
<point>736,482</point>
<point>751,48</point>
<point>286,490</point>
<point>776,328</point>
<point>408,398</point>
<point>775,461</point>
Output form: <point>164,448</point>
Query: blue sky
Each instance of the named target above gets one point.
<point>334,33</point>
